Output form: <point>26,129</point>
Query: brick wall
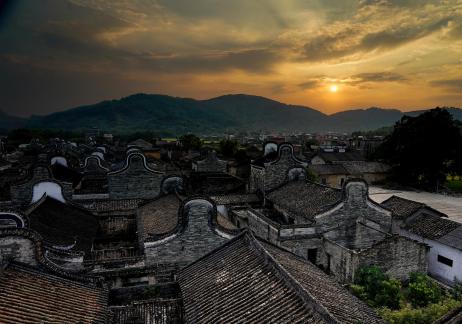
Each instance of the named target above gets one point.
<point>135,180</point>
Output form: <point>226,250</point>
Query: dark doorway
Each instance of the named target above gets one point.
<point>312,255</point>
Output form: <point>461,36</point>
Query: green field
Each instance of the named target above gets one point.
<point>454,183</point>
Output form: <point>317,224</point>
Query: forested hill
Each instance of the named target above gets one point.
<point>226,113</point>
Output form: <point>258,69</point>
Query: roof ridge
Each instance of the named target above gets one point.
<point>289,279</point>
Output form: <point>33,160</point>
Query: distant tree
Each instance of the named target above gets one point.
<point>422,150</point>
<point>308,143</point>
<point>145,135</point>
<point>228,147</point>
<point>190,142</point>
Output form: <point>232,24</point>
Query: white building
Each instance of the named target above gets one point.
<point>443,236</point>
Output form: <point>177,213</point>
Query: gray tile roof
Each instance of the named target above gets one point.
<point>453,238</point>
<point>306,199</point>
<point>400,207</point>
<point>233,199</point>
<point>32,296</point>
<point>328,169</point>
<point>116,205</point>
<point>361,167</point>
<point>431,227</point>
<point>249,281</point>
<point>338,301</point>
<point>334,157</point>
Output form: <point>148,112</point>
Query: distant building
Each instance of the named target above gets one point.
<point>211,163</point>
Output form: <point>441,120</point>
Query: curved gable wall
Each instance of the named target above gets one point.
<point>197,238</point>
<point>134,180</point>
<point>22,193</point>
<point>356,222</point>
<point>276,172</point>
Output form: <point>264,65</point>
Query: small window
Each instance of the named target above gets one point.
<point>291,221</point>
<point>445,260</point>
<point>323,181</point>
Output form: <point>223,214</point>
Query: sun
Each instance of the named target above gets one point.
<point>333,88</point>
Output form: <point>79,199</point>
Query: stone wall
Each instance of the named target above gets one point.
<point>197,239</point>
<point>339,261</point>
<point>135,180</point>
<point>397,256</point>
<point>257,179</point>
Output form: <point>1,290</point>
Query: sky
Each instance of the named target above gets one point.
<point>330,55</point>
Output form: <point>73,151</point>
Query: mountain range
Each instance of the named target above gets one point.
<point>166,114</point>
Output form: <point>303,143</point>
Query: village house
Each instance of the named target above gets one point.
<point>146,241</point>
<point>427,225</point>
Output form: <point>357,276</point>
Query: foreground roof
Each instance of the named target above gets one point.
<point>31,296</point>
<point>247,280</point>
<point>305,199</point>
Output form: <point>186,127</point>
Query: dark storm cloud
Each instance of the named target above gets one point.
<point>60,53</point>
<point>310,84</point>
<point>377,77</point>
<point>387,39</point>
<point>451,84</point>
<point>354,39</point>
<point>27,89</point>
<point>251,60</point>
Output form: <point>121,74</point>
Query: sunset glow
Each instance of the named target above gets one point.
<point>391,53</point>
<point>333,88</point>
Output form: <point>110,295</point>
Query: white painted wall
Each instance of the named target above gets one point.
<point>51,189</point>
<point>270,147</point>
<point>222,210</point>
<point>317,160</point>
<point>435,267</point>
<point>98,154</point>
<point>59,160</point>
